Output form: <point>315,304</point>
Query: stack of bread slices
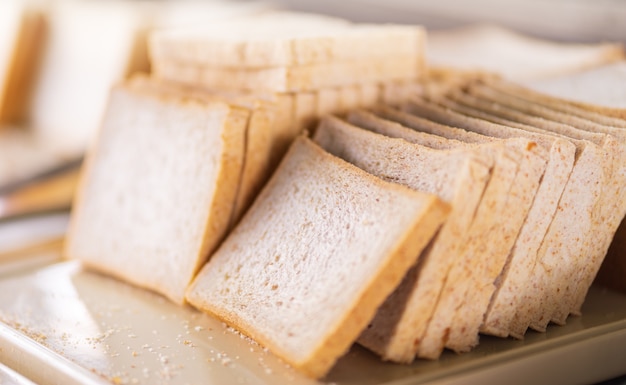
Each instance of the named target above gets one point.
<point>409,226</point>
<point>179,160</point>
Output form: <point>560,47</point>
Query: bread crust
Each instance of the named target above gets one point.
<point>314,360</point>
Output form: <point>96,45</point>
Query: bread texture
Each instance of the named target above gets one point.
<point>258,141</point>
<point>347,236</point>
<point>609,208</point>
<point>479,263</point>
<point>458,177</point>
<point>284,39</point>
<point>592,169</point>
<point>295,79</point>
<point>558,152</point>
<point>157,156</point>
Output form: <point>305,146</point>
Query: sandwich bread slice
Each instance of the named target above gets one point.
<point>456,176</point>
<point>158,188</point>
<point>320,249</point>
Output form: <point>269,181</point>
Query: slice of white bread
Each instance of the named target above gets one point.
<point>284,39</point>
<point>396,93</point>
<point>594,95</point>
<point>158,188</point>
<point>456,176</point>
<point>610,208</point>
<point>592,167</point>
<point>321,248</point>
<point>258,145</point>
<point>308,77</point>
<point>513,55</point>
<point>75,74</point>
<point>90,46</point>
<point>521,193</point>
<point>560,159</point>
<point>22,31</point>
<point>489,224</point>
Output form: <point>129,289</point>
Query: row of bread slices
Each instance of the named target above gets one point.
<point>176,165</point>
<point>533,188</point>
<point>328,254</point>
<point>232,134</point>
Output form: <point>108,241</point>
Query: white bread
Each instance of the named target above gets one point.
<point>21,36</point>
<point>370,94</point>
<point>72,86</point>
<point>328,100</point>
<point>305,112</point>
<point>456,176</point>
<point>340,100</point>
<point>157,156</point>
<point>396,93</point>
<point>349,98</point>
<point>416,299</point>
<point>513,55</point>
<point>92,45</point>
<point>607,213</point>
<point>258,144</point>
<point>559,165</point>
<point>484,263</point>
<point>318,252</point>
<point>592,93</point>
<point>284,39</point>
<point>592,169</point>
<point>308,77</point>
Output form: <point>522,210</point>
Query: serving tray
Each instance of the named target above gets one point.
<point>62,324</point>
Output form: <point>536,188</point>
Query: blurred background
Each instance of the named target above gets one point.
<point>562,20</point>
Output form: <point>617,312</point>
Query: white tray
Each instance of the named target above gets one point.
<point>60,324</point>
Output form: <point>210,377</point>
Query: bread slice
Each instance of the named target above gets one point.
<point>592,93</point>
<point>70,94</point>
<point>305,112</point>
<point>417,298</point>
<point>458,177</point>
<point>22,28</point>
<point>284,39</point>
<point>321,235</point>
<point>513,55</point>
<point>592,168</point>
<point>609,210</point>
<point>370,94</point>
<point>471,315</point>
<point>92,45</point>
<point>340,100</point>
<point>258,144</point>
<point>396,93</point>
<point>559,166</point>
<point>308,77</point>
<point>158,156</point>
